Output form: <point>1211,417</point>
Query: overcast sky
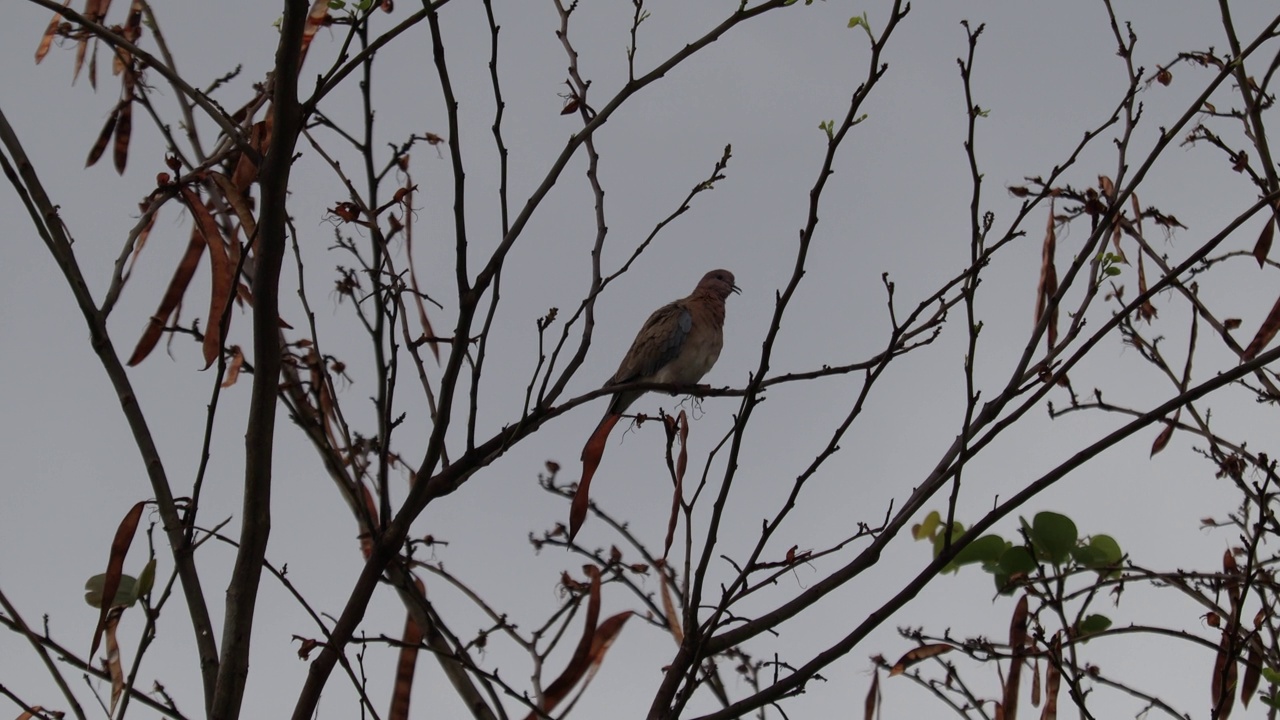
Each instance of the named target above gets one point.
<point>898,203</point>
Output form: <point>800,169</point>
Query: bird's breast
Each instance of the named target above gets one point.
<point>700,353</point>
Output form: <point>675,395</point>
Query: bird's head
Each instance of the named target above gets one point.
<point>719,283</point>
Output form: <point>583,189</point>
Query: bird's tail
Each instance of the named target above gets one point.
<point>591,454</point>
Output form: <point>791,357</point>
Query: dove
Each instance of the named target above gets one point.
<point>678,344</point>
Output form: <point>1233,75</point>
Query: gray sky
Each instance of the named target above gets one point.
<point>897,203</point>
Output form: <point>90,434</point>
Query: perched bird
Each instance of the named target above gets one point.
<point>678,344</point>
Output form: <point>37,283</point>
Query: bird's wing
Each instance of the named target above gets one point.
<point>658,343</point>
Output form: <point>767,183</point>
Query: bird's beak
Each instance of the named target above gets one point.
<point>735,289</point>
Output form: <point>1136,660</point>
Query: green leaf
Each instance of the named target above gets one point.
<point>1053,536</point>
<point>1101,553</point>
<point>1108,550</point>
<point>1017,559</point>
<point>987,548</point>
<point>1094,624</point>
<point>861,21</point>
<point>1014,561</point>
<point>1272,675</point>
<point>126,594</point>
<point>940,539</point>
<point>1085,556</point>
<point>147,579</point>
<point>928,527</point>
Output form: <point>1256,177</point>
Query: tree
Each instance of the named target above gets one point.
<point>438,361</point>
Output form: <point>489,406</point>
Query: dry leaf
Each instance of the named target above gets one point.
<point>1146,311</point>
<point>124,128</point>
<point>306,646</point>
<point>605,634</point>
<point>325,403</point>
<point>1136,227</point>
<point>1266,333</point>
<point>423,320</point>
<point>1017,645</point>
<point>96,10</point>
<point>223,272</point>
<point>682,428</point>
<point>1052,681</point>
<point>246,169</point>
<point>131,31</point>
<point>114,667</point>
<point>100,145</point>
<point>346,211</point>
<point>872,702</point>
<point>1240,161</point>
<point>1222,686</point>
<point>82,47</point>
<point>581,661</point>
<point>915,655</point>
<point>1165,435</point>
<point>1232,571</point>
<point>1107,186</point>
<point>1048,286</point>
<point>1035,684</point>
<point>1162,439</point>
<point>233,366</point>
<point>43,713</point>
<point>171,300</point>
<point>1252,672</point>
<point>371,512</point>
<point>669,608</point>
<point>682,462</point>
<point>239,203</point>
<point>1262,248</point>
<point>405,666</point>
<point>46,40</point>
<point>93,66</point>
<point>316,17</point>
<point>115,568</point>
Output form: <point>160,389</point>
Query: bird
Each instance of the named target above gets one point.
<point>678,344</point>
